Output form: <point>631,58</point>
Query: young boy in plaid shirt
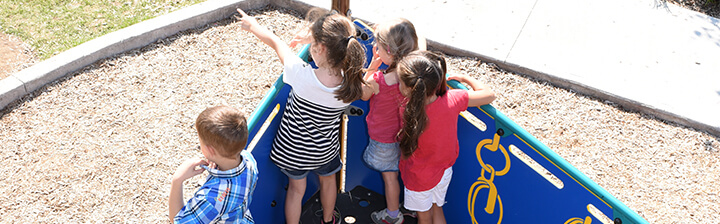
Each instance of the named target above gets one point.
<point>225,197</point>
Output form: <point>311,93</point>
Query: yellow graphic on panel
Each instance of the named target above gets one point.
<point>484,182</point>
<point>587,220</point>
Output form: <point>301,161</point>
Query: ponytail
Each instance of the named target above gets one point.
<point>442,66</point>
<point>344,52</point>
<point>424,73</point>
<point>352,70</point>
<point>415,119</point>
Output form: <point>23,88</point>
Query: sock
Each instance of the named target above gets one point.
<point>393,213</point>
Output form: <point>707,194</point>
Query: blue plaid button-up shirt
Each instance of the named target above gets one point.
<point>225,197</point>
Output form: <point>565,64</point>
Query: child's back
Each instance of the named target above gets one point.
<point>429,134</point>
<point>393,41</point>
<point>308,139</point>
<point>226,194</point>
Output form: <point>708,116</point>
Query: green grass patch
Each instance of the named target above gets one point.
<point>53,26</point>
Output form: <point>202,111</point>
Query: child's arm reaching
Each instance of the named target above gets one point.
<point>186,170</point>
<point>371,86</point>
<point>250,24</point>
<point>480,94</point>
<point>302,37</point>
<point>374,64</point>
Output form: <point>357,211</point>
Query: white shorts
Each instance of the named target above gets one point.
<point>422,201</point>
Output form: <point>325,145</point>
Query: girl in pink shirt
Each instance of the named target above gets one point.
<point>393,41</point>
<point>428,137</point>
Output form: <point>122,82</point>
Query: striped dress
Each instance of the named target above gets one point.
<point>309,132</point>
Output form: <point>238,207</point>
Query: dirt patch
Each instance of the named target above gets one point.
<point>15,55</point>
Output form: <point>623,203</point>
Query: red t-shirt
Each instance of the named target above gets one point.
<point>438,146</point>
<point>383,119</point>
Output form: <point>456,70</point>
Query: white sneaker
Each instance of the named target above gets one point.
<point>382,217</point>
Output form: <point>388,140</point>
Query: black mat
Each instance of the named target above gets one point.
<point>357,204</point>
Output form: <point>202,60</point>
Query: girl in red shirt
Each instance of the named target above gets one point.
<point>428,137</point>
<point>393,40</point>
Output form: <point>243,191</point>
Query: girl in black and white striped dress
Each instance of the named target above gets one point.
<point>309,135</point>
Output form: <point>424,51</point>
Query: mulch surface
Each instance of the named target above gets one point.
<point>707,7</point>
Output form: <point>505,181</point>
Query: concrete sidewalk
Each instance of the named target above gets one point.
<point>643,55</point>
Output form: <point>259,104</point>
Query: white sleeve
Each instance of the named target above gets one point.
<point>292,67</point>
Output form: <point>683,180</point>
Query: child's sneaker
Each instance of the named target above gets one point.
<point>382,217</point>
<point>407,212</point>
<point>335,220</point>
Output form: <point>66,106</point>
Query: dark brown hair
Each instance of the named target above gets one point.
<point>344,53</point>
<point>224,128</point>
<point>399,38</point>
<point>424,73</point>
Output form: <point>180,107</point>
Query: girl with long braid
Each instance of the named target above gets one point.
<point>428,137</point>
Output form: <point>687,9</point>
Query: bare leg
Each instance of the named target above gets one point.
<point>438,215</point>
<point>328,195</point>
<point>392,190</point>
<point>425,217</point>
<point>293,200</point>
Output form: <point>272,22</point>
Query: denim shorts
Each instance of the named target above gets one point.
<point>382,157</point>
<point>328,169</point>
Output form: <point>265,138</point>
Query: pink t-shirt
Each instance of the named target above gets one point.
<point>438,145</point>
<point>383,119</point>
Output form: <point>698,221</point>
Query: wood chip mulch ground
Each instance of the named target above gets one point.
<point>101,144</point>
<point>707,7</point>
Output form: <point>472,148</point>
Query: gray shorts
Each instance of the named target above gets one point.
<point>382,157</point>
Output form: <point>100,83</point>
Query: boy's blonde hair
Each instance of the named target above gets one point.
<point>224,128</point>
<point>398,37</point>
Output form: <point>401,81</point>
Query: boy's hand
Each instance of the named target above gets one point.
<point>212,165</point>
<point>188,169</point>
<point>246,22</point>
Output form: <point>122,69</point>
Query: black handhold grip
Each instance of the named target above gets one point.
<point>356,112</point>
<point>364,36</point>
<point>500,132</point>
